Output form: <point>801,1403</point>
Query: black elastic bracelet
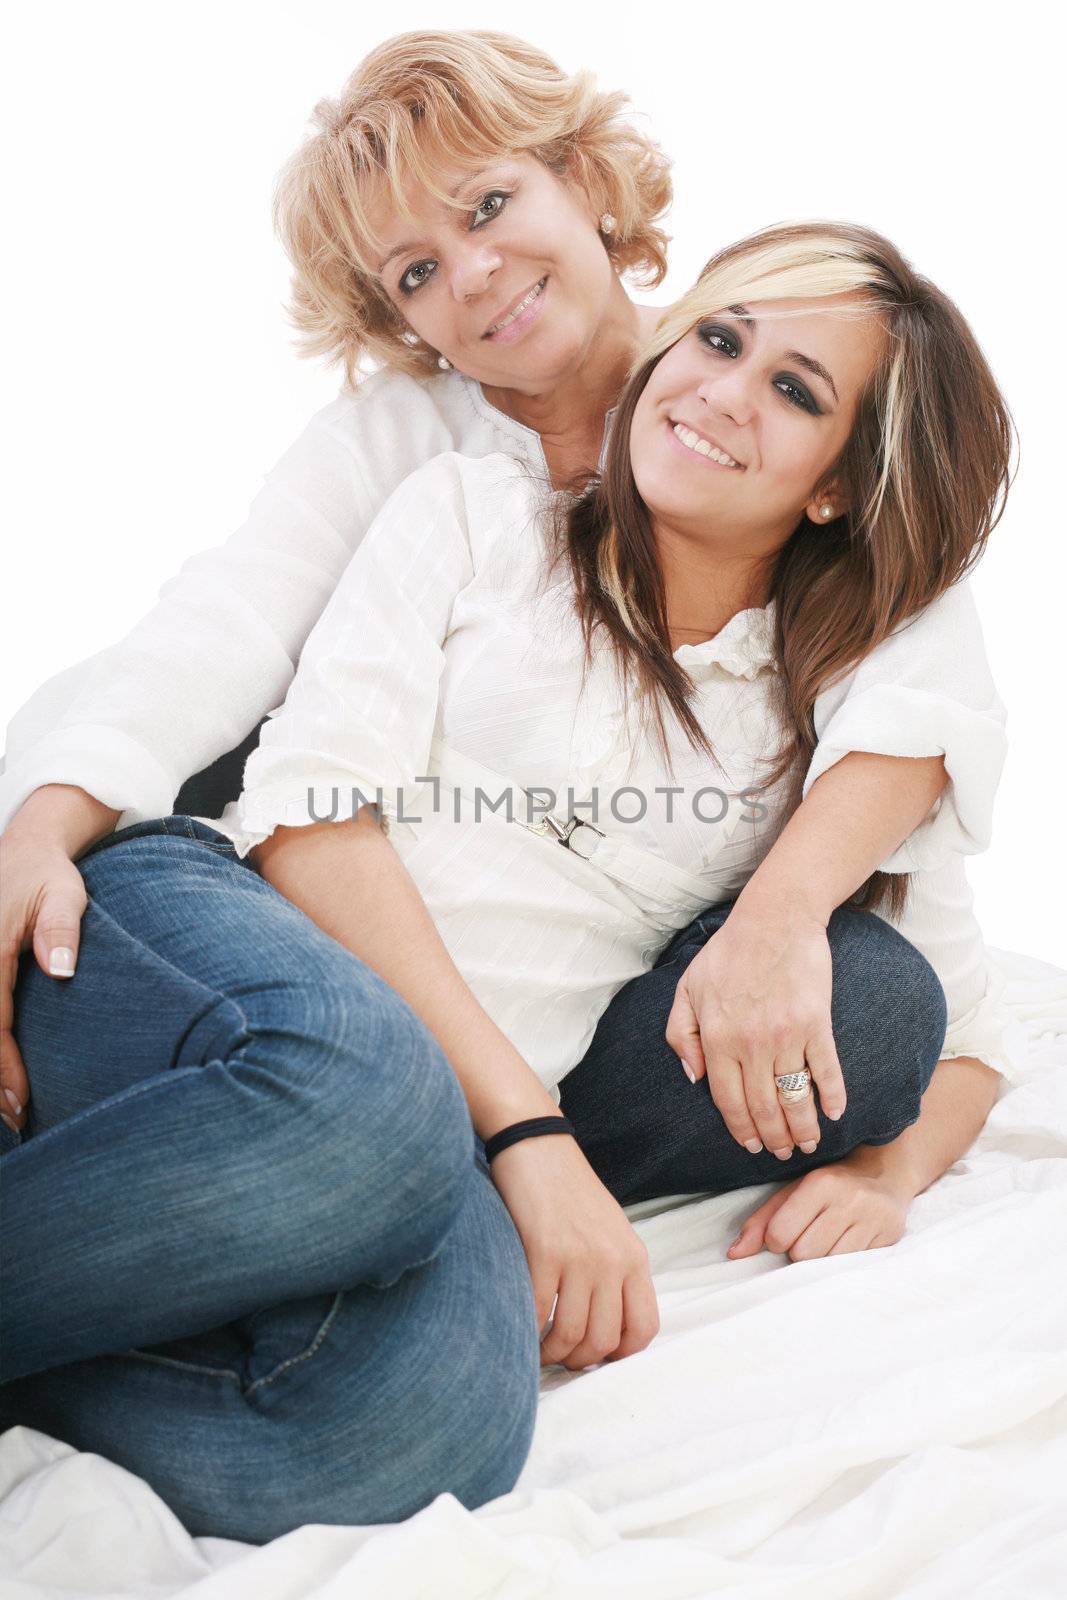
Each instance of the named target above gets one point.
<point>526,1130</point>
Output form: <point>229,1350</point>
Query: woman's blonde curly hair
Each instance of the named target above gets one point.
<point>418,106</point>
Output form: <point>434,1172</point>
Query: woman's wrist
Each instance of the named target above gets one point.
<point>886,1165</point>
<point>528,1128</point>
<point>771,902</point>
<point>522,1098</point>
<point>65,816</point>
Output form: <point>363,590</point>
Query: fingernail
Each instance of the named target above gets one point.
<point>753,1146</point>
<point>812,1144</point>
<point>835,1116</point>
<point>13,1103</point>
<point>61,962</point>
<point>784,1154</point>
<point>690,1074</point>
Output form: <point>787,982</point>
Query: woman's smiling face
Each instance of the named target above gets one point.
<point>742,419</point>
<point>513,288</point>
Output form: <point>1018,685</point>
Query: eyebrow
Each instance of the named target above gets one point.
<point>410,245</point>
<point>809,363</point>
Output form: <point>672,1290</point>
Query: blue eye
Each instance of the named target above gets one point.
<point>416,276</point>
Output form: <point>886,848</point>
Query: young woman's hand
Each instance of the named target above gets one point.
<point>581,1247</point>
<point>41,906</point>
<point>829,1212</point>
<point>753,1004</point>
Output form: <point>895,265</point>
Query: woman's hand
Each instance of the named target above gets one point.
<point>755,1003</point>
<point>581,1247</point>
<point>42,905</point>
<point>829,1212</point>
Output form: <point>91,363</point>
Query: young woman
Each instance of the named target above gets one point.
<point>334,1022</point>
<point>464,214</point>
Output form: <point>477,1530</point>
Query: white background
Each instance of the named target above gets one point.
<point>151,380</point>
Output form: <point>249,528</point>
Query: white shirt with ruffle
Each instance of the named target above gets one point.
<point>446,660</point>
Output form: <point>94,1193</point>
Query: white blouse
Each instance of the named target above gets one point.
<point>447,662</point>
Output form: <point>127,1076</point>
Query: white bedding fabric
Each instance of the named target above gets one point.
<point>888,1423</point>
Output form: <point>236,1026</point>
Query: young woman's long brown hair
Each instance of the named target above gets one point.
<point>924,475</point>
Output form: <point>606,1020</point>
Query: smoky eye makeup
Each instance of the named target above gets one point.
<point>717,336</point>
<point>797,393</point>
<point>726,341</point>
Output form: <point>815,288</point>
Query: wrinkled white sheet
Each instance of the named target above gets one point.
<point>889,1423</point>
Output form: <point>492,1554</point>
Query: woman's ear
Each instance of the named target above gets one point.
<point>825,507</point>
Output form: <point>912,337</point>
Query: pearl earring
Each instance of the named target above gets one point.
<point>607,223</point>
<point>444,363</point>
<point>826,512</point>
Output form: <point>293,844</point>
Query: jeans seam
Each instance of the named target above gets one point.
<point>183,1366</point>
<point>224,847</point>
<point>305,1355</point>
<point>228,1372</point>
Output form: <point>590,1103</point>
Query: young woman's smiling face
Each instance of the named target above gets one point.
<point>742,419</point>
<point>514,287</point>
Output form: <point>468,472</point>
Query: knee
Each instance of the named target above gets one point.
<point>889,1012</point>
<point>364,1099</point>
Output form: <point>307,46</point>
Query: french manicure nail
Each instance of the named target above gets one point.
<point>61,962</point>
<point>809,1146</point>
<point>753,1146</point>
<point>690,1074</point>
<point>785,1153</point>
<point>13,1103</point>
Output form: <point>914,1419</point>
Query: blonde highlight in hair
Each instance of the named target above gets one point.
<point>923,476</point>
<point>416,107</point>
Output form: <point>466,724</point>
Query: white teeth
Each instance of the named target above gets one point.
<point>520,308</point>
<point>701,447</point>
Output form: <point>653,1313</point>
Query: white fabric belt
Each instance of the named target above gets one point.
<point>626,864</point>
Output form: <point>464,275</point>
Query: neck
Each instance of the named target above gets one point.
<point>702,592</point>
<point>570,414</point>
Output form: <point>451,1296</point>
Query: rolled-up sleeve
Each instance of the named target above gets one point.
<point>939,920</point>
<point>361,710</point>
<point>927,690</point>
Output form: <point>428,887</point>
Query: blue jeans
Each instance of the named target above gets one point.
<point>251,1248</point>
<point>252,1251</point>
<point>647,1131</point>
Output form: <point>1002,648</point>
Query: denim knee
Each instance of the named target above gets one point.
<point>346,1101</point>
<point>889,1014</point>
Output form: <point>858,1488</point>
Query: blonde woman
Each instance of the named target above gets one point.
<point>339,1017</point>
<point>466,214</point>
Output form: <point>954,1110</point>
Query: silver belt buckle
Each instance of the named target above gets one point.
<point>551,826</point>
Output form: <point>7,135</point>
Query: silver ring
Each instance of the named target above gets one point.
<point>793,1086</point>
